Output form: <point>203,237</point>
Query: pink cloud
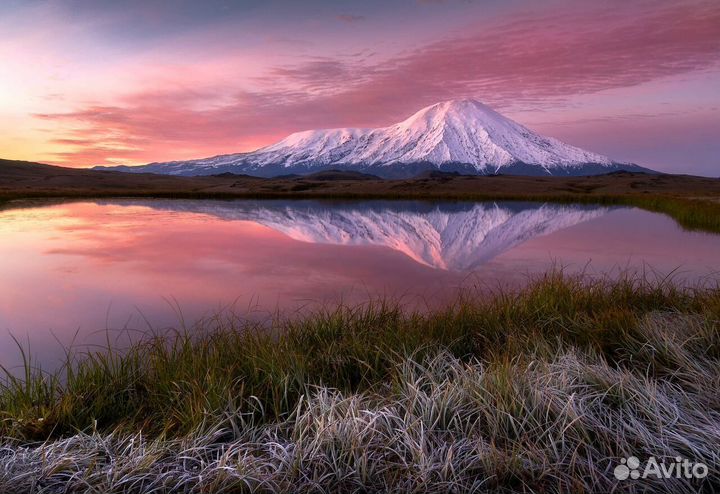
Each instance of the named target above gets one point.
<point>530,61</point>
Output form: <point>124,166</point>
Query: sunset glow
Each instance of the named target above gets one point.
<point>85,83</point>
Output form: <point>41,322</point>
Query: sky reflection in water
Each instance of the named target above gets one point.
<point>85,266</point>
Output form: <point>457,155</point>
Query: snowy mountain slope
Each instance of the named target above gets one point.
<point>451,237</point>
<point>458,135</point>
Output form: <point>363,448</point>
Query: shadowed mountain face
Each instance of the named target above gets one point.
<point>454,236</point>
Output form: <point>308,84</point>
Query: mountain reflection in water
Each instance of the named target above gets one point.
<point>454,236</point>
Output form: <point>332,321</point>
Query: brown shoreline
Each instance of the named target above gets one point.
<point>692,201</point>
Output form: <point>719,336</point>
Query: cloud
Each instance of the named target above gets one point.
<point>529,61</point>
<point>320,74</point>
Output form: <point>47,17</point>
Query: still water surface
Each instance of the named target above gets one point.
<point>70,269</point>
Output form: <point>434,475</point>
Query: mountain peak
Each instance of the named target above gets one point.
<point>463,107</point>
<point>461,104</point>
<point>458,112</point>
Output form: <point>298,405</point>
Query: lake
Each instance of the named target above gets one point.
<point>70,270</point>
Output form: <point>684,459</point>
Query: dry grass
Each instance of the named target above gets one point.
<point>538,391</point>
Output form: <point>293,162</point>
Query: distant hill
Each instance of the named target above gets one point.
<point>30,179</point>
<point>332,175</point>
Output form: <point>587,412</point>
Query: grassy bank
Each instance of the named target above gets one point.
<point>692,201</point>
<point>691,213</point>
<point>541,390</point>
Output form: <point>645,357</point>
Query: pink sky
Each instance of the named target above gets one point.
<point>89,82</point>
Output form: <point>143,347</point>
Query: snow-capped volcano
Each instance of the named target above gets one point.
<point>459,135</point>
